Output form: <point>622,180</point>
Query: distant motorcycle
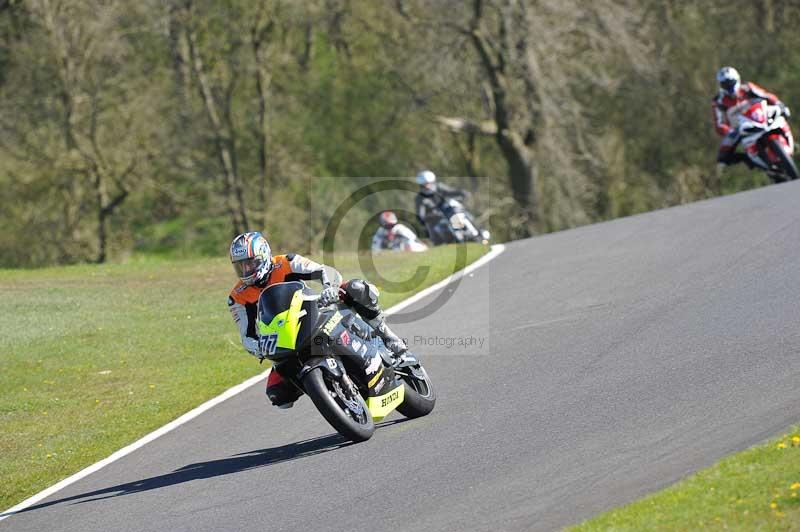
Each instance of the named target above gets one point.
<point>457,225</point>
<point>767,139</point>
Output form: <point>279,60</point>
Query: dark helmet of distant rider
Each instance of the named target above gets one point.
<point>251,257</point>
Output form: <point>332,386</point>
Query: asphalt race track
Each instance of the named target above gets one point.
<point>617,359</point>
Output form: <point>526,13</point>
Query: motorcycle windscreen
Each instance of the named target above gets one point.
<point>285,319</point>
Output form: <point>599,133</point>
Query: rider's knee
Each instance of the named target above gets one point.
<point>280,392</point>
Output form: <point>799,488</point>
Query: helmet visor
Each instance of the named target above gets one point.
<point>388,219</point>
<point>247,269</point>
<point>728,85</point>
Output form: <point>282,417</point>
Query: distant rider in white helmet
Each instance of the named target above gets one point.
<point>431,194</point>
<point>731,95</point>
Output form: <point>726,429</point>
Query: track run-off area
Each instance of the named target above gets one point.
<point>575,372</point>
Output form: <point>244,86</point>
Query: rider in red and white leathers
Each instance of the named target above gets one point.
<point>395,236</point>
<point>726,105</point>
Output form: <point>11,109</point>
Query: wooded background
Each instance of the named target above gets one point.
<point>165,126</point>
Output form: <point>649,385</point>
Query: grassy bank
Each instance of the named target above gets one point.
<point>757,489</point>
<point>93,357</point>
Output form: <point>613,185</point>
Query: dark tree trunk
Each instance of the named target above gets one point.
<point>522,173</point>
<point>105,210</point>
<point>516,151</point>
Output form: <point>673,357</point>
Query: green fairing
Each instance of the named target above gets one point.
<point>286,324</point>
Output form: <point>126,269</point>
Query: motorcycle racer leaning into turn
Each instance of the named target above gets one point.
<point>726,104</point>
<point>257,269</point>
<point>391,234</point>
<point>430,195</point>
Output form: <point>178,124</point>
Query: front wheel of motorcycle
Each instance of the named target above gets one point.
<point>419,397</point>
<point>787,163</point>
<point>340,404</point>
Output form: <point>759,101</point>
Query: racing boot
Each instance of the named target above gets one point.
<point>394,343</point>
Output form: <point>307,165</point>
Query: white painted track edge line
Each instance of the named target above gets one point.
<point>188,416</point>
<point>495,251</point>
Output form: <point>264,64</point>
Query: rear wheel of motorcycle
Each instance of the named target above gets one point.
<point>787,163</point>
<point>326,394</point>
<point>419,397</point>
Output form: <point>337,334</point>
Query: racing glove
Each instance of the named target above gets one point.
<point>785,111</point>
<point>252,346</point>
<point>328,296</point>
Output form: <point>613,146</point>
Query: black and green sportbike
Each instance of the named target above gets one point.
<point>323,351</point>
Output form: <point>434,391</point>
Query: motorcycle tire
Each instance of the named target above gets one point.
<point>787,163</point>
<point>419,397</point>
<point>317,387</point>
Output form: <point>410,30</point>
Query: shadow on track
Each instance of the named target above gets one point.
<point>213,468</point>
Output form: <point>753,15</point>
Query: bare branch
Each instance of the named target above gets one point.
<point>462,125</point>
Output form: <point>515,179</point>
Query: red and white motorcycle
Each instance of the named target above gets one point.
<point>767,139</point>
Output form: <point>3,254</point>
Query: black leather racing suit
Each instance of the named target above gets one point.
<point>427,206</point>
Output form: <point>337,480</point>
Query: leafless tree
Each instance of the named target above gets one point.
<point>105,117</point>
<point>281,39</point>
<point>216,85</point>
<point>536,60</point>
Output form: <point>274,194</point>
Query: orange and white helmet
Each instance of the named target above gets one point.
<point>251,257</point>
<point>388,219</point>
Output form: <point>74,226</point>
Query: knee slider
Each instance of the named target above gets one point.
<point>279,391</point>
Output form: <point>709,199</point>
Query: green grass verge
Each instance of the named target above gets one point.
<point>757,489</point>
<point>94,357</point>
